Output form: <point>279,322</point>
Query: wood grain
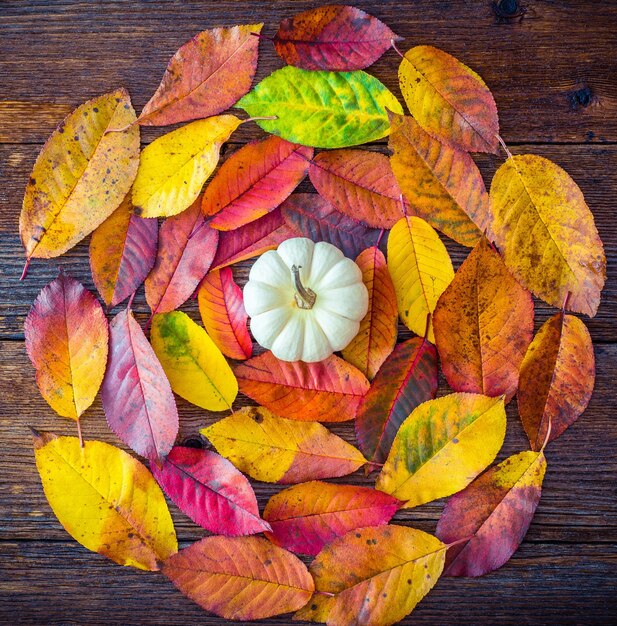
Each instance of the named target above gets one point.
<point>551,66</point>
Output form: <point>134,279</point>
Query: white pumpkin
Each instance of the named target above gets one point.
<point>305,300</point>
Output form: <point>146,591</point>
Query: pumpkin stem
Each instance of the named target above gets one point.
<point>305,298</point>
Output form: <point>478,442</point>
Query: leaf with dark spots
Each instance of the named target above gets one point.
<point>138,402</point>
<point>340,38</point>
<point>309,215</point>
<point>211,491</point>
<point>207,75</point>
<point>186,250</point>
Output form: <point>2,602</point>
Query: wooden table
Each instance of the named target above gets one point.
<point>552,67</point>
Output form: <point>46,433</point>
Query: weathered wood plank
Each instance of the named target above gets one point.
<point>61,583</point>
<point>577,505</point>
<point>552,70</point>
<point>593,167</point>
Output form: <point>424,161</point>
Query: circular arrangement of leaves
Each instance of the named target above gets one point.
<point>322,286</point>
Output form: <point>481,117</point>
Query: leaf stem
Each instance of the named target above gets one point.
<point>548,434</point>
<point>256,119</point>
<point>455,543</point>
<point>81,439</point>
<point>565,302</point>
<point>503,145</point>
<point>26,266</point>
<point>123,128</point>
<point>383,230</point>
<point>395,47</point>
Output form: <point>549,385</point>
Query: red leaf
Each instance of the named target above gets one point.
<point>66,339</point>
<point>138,402</point>
<point>251,240</point>
<point>493,513</point>
<point>186,250</point>
<point>311,216</point>
<point>254,181</point>
<point>240,578</point>
<point>306,517</point>
<point>406,379</point>
<point>223,315</point>
<point>327,391</point>
<point>122,253</point>
<point>211,491</point>
<point>340,38</point>
<point>377,335</point>
<point>360,184</point>
<point>207,75</point>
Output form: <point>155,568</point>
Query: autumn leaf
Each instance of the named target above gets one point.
<point>442,446</point>
<point>211,491</point>
<point>254,180</point>
<point>137,399</point>
<point>483,324</point>
<point>374,576</point>
<point>80,177</point>
<point>407,378</point>
<point>207,75</point>
<point>322,109</point>
<point>306,517</point>
<point>377,335</point>
<point>421,270</point>
<point>277,450</point>
<point>449,100</point>
<point>325,391</point>
<point>240,578</point>
<point>106,500</point>
<point>546,233</point>
<point>340,38</point>
<point>493,513</point>
<point>186,251</point>
<point>556,378</point>
<point>223,315</point>
<point>66,339</point>
<point>122,253</point>
<point>311,216</point>
<point>360,184</point>
<point>195,367</point>
<point>443,185</point>
<point>251,240</point>
<point>174,167</point>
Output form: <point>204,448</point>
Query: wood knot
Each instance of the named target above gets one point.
<point>508,10</point>
<point>193,442</point>
<point>582,97</point>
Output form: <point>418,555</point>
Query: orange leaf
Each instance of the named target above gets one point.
<point>66,339</point>
<point>254,180</point>
<point>186,250</point>
<point>223,315</point>
<point>240,578</point>
<point>443,185</point>
<point>483,324</point>
<point>377,335</point>
<point>556,379</point>
<point>449,100</point>
<point>374,576</point>
<point>360,184</point>
<point>327,391</point>
<point>207,75</point>
<point>122,253</point>
<point>306,517</point>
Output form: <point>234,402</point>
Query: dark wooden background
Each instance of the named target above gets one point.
<point>552,66</point>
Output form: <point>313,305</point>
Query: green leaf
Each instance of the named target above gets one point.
<point>322,109</point>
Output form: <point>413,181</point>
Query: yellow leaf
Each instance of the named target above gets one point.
<point>81,175</point>
<point>278,450</point>
<point>373,576</point>
<point>547,234</point>
<point>421,270</point>
<point>195,367</point>
<point>174,167</point>
<point>449,100</point>
<point>442,446</point>
<point>106,500</point>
